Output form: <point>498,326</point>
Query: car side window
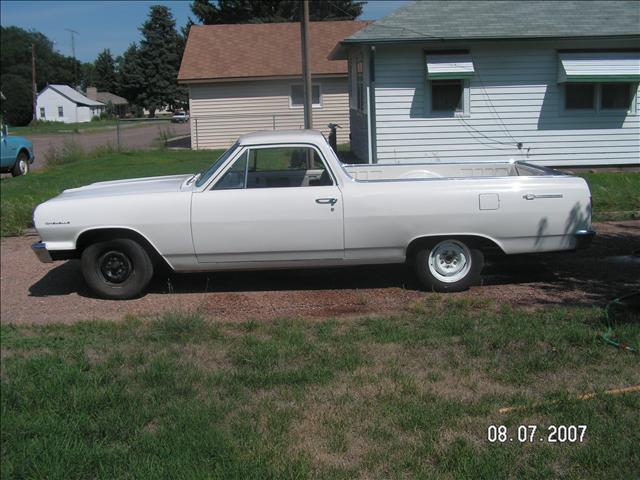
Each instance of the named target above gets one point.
<point>235,176</point>
<point>280,167</point>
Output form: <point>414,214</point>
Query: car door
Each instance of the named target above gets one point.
<point>7,152</point>
<point>276,204</point>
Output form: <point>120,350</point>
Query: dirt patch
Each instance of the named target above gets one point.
<point>38,293</point>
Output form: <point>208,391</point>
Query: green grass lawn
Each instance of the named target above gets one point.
<point>615,195</point>
<point>40,128</point>
<point>406,396</point>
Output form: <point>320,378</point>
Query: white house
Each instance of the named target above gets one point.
<point>549,82</point>
<point>243,78</point>
<point>61,103</point>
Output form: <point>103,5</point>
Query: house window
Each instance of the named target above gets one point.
<point>599,97</point>
<point>42,115</point>
<point>615,96</point>
<point>296,98</point>
<point>60,112</point>
<point>579,96</point>
<point>446,95</point>
<point>359,84</point>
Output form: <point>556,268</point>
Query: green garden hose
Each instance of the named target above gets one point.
<point>608,335</point>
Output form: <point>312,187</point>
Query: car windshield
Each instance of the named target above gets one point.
<point>206,174</point>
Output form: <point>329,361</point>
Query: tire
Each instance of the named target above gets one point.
<point>21,167</point>
<point>449,266</point>
<point>117,269</point>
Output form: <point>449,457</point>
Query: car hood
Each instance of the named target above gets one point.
<point>133,186</point>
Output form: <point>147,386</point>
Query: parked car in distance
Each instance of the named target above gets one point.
<point>180,117</point>
<point>282,199</point>
<point>16,153</point>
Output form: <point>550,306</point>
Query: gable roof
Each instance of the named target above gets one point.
<point>254,51</point>
<point>429,20</point>
<point>73,95</point>
<point>106,97</point>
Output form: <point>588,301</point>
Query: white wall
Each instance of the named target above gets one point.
<point>72,113</point>
<point>221,112</point>
<point>514,97</point>
<point>51,100</point>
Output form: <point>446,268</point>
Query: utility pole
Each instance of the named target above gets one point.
<point>306,72</point>
<point>33,81</point>
<point>73,49</point>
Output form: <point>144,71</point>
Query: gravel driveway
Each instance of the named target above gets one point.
<point>33,292</point>
<point>131,137</point>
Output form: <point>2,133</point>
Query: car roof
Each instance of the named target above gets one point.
<point>281,136</point>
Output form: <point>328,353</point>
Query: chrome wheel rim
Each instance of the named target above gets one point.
<point>23,167</point>
<point>450,261</point>
<point>114,267</point>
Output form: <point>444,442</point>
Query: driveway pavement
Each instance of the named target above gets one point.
<point>33,292</point>
<point>131,137</point>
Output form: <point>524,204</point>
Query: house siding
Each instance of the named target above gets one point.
<point>514,98</point>
<point>221,112</point>
<point>51,100</point>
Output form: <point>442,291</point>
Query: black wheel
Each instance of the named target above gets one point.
<point>117,269</point>
<point>449,266</point>
<point>21,167</point>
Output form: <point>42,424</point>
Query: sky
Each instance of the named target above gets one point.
<point>111,24</point>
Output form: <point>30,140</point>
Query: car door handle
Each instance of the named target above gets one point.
<point>327,201</point>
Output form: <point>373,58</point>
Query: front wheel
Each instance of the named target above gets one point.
<point>117,269</point>
<point>21,167</point>
<point>449,266</point>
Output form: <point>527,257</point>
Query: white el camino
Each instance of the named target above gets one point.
<point>283,200</point>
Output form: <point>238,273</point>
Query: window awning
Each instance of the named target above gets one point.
<point>599,67</point>
<point>445,67</point>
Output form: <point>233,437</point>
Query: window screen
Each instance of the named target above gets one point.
<point>60,112</point>
<point>615,96</point>
<point>579,96</point>
<point>297,95</point>
<point>446,95</point>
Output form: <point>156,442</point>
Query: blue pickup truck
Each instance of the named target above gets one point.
<point>16,154</point>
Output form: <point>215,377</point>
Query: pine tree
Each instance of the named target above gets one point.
<point>105,71</point>
<point>159,60</point>
<point>272,11</point>
<point>130,75</point>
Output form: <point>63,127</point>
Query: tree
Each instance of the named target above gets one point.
<point>131,79</point>
<point>159,60</point>
<point>15,63</point>
<point>105,71</point>
<point>273,11</point>
<point>17,109</point>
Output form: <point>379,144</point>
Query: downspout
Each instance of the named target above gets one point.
<point>373,150</point>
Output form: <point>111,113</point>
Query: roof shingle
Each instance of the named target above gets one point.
<point>490,19</point>
<point>224,52</point>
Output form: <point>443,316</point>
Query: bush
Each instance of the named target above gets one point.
<point>17,109</point>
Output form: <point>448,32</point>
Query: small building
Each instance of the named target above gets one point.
<point>549,82</point>
<point>243,78</point>
<point>120,104</point>
<point>61,103</point>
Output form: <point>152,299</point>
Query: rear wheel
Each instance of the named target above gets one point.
<point>21,167</point>
<point>449,266</point>
<point>117,269</point>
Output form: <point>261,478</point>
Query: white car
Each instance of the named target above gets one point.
<point>283,200</point>
<point>180,117</point>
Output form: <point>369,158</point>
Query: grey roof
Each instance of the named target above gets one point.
<point>507,19</point>
<point>106,97</point>
<point>74,95</point>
